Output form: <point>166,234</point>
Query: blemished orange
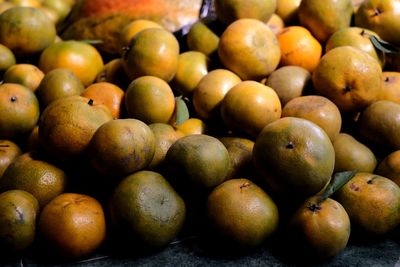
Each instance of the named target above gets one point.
<point>299,47</point>
<point>26,74</point>
<point>108,94</point>
<point>73,225</point>
<point>81,58</point>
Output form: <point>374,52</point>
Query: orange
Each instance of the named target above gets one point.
<point>242,212</point>
<point>288,10</point>
<point>150,99</point>
<point>7,58</point>
<point>349,77</point>
<point>19,110</point>
<point>249,106</point>
<point>228,11</point>
<point>191,126</point>
<point>294,157</point>
<point>107,94</point>
<point>289,82</point>
<point>73,225</point>
<point>114,143</point>
<point>249,48</point>
<point>67,125</point>
<point>390,89</point>
<point>275,23</point>
<point>192,66</point>
<point>317,109</point>
<point>81,58</point>
<point>390,167</point>
<point>8,152</point>
<point>113,72</point>
<point>152,52</point>
<point>134,27</point>
<point>18,214</point>
<point>34,173</point>
<point>201,38</point>
<point>210,90</point>
<point>26,74</point>
<point>58,83</point>
<point>299,48</point>
<point>26,30</point>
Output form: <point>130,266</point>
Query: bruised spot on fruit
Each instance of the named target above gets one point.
<point>354,187</point>
<point>245,185</point>
<point>13,98</point>
<point>290,145</point>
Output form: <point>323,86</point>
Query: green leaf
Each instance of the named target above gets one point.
<point>384,46</point>
<point>182,111</point>
<point>337,181</point>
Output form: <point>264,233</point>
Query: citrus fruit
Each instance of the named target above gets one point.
<point>249,106</point>
<point>25,74</point>
<point>288,10</point>
<point>150,99</point>
<point>210,91</point>
<point>198,160</point>
<point>19,110</point>
<point>289,82</point>
<point>26,30</point>
<point>107,94</point>
<point>113,72</point>
<point>135,26</point>
<point>350,154</point>
<point>294,157</point>
<point>317,109</point>
<point>249,48</point>
<point>148,209</point>
<point>342,76</point>
<point>228,11</point>
<point>9,150</point>
<point>58,83</point>
<point>299,47</point>
<point>67,125</point>
<point>7,58</point>
<point>319,230</point>
<point>73,225</point>
<point>35,174</point>
<point>389,167</point>
<point>191,126</point>
<point>120,147</point>
<point>242,212</point>
<point>152,52</point>
<point>372,202</point>
<point>81,58</point>
<point>201,38</point>
<point>391,81</point>
<point>192,66</point>
<point>18,213</point>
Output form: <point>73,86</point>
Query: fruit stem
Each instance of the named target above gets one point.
<point>90,102</point>
<point>338,180</point>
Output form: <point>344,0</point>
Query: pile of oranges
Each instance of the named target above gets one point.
<point>275,118</point>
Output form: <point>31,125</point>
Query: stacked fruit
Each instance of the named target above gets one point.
<point>276,118</point>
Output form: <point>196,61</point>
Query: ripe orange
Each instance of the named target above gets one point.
<point>152,52</point>
<point>390,89</point>
<point>107,94</point>
<point>299,48</point>
<point>191,126</point>
<point>201,38</point>
<point>192,66</point>
<point>150,99</point>
<point>8,152</point>
<point>19,111</point>
<point>131,29</point>
<point>288,10</point>
<point>26,74</point>
<point>249,106</point>
<point>210,91</point>
<point>33,172</point>
<point>26,30</point>
<point>249,48</point>
<point>72,225</point>
<point>7,58</point>
<point>81,58</point>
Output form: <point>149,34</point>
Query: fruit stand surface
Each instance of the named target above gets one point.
<point>190,251</point>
